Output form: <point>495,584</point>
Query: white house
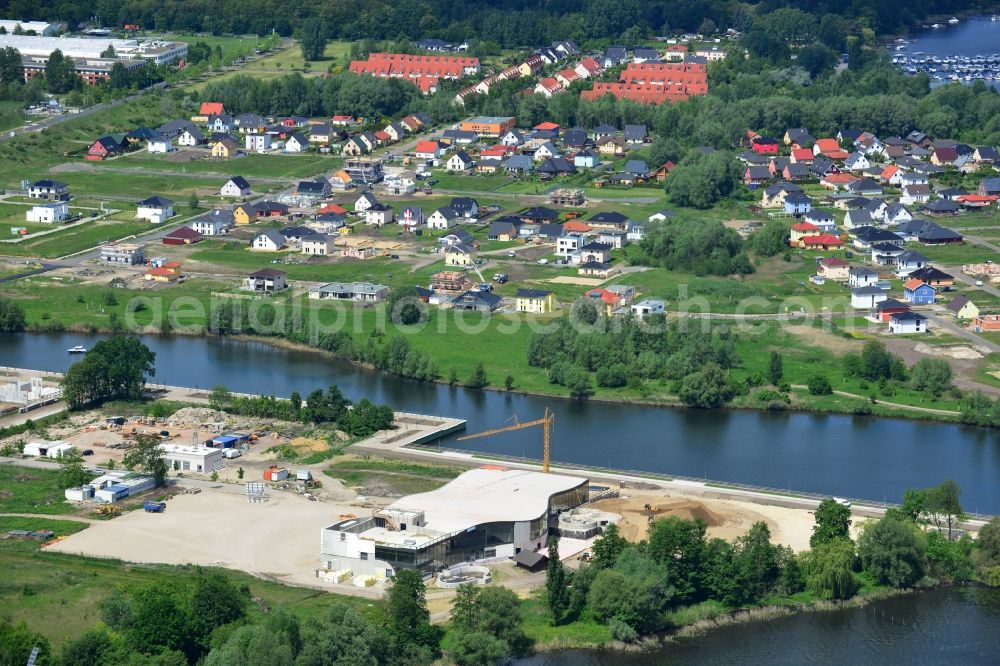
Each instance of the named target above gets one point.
<point>268,240</point>
<point>364,202</point>
<point>859,277</point>
<point>857,162</point>
<point>915,194</point>
<point>155,209</point>
<point>318,245</point>
<point>647,306</point>
<point>866,298</point>
<point>212,225</point>
<point>411,217</point>
<point>902,323</point>
<point>459,162</point>
<point>910,261</point>
<point>545,151</point>
<point>237,186</point>
<point>897,213</point>
<point>378,215</point>
<point>513,138</point>
<point>258,142</point>
<point>159,144</point>
<point>443,218</point>
<point>296,143</point>
<point>569,244</point>
<point>191,137</point>
<point>49,213</point>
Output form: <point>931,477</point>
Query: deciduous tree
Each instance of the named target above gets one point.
<point>833,522</point>
<point>892,552</point>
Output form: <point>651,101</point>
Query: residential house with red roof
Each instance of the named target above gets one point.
<point>423,71</point>
<point>830,149</point>
<point>801,156</point>
<point>821,242</point>
<point>428,150</point>
<point>655,82</point>
<point>587,68</point>
<point>801,229</point>
<point>833,268</point>
<point>548,87</point>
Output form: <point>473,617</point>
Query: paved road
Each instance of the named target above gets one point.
<point>35,271</point>
<point>956,271</point>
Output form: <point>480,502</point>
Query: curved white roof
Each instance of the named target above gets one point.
<point>487,495</point>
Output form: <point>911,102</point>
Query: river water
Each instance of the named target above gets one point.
<point>861,457</point>
<point>950,626</point>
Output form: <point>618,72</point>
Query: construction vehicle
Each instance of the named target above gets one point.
<point>153,507</point>
<point>547,422</point>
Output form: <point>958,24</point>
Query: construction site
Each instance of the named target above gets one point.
<point>260,510</point>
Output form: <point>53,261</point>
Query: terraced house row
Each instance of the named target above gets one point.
<point>424,71</point>
<point>656,82</point>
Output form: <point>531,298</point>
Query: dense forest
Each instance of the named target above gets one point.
<point>508,22</point>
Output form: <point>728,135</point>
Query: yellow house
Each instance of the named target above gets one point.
<point>244,214</point>
<point>460,255</point>
<point>536,301</point>
<point>963,308</point>
<point>613,145</point>
<point>225,148</point>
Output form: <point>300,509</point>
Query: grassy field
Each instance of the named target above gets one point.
<point>265,167</point>
<point>286,60</point>
<point>391,477</point>
<point>28,490</point>
<point>70,303</point>
<point>956,254</point>
<point>75,239</point>
<point>11,115</point>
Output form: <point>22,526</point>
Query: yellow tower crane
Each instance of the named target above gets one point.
<point>547,422</point>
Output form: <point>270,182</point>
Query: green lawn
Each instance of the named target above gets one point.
<point>394,476</point>
<point>69,303</point>
<point>75,239</point>
<point>956,254</point>
<point>29,490</point>
<point>264,167</point>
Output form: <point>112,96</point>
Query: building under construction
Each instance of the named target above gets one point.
<point>485,513</point>
<point>363,170</point>
<point>563,196</point>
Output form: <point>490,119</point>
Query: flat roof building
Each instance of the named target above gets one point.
<point>202,459</point>
<point>79,47</point>
<point>39,27</point>
<point>484,513</point>
<point>488,125</point>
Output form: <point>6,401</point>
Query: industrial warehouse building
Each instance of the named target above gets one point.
<point>483,514</point>
<point>158,52</point>
<point>112,487</point>
<point>192,458</point>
